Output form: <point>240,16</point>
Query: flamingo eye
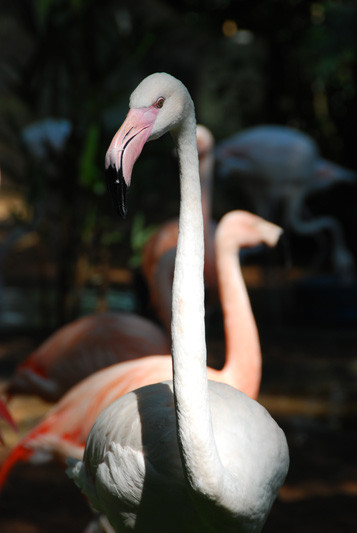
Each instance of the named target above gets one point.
<point>160,102</point>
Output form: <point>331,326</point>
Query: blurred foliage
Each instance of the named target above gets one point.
<point>245,62</point>
<point>328,55</point>
<point>140,234</point>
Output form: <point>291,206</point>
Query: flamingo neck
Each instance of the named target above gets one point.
<point>188,328</point>
<point>194,425</point>
<point>243,354</point>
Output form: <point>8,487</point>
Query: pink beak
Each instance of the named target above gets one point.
<point>124,150</point>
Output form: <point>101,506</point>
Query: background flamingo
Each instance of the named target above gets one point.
<point>82,347</point>
<point>277,169</point>
<point>65,428</point>
<point>159,252</point>
<point>191,454</point>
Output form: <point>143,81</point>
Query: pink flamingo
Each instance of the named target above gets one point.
<point>65,428</point>
<point>82,347</point>
<point>159,252</point>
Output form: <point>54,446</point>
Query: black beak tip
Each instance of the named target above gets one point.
<point>123,211</point>
<point>117,189</point>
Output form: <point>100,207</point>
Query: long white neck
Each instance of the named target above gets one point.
<point>195,434</point>
<point>165,268</point>
<point>243,355</point>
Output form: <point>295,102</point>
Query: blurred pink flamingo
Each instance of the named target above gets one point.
<point>82,347</point>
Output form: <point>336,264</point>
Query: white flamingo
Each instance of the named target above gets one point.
<point>191,454</point>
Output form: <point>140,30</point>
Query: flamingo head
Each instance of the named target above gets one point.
<point>157,105</point>
<point>238,229</point>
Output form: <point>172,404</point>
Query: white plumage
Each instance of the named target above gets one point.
<point>190,455</point>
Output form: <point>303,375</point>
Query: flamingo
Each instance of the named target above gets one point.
<point>159,252</point>
<point>82,347</point>
<point>189,454</point>
<point>65,428</point>
<point>279,168</point>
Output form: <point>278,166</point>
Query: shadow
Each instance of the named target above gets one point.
<point>40,499</point>
<point>164,503</point>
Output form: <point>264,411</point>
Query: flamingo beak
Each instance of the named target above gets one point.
<point>124,150</point>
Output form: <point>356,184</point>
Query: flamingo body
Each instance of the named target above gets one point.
<point>82,347</point>
<point>66,426</point>
<point>161,494</point>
